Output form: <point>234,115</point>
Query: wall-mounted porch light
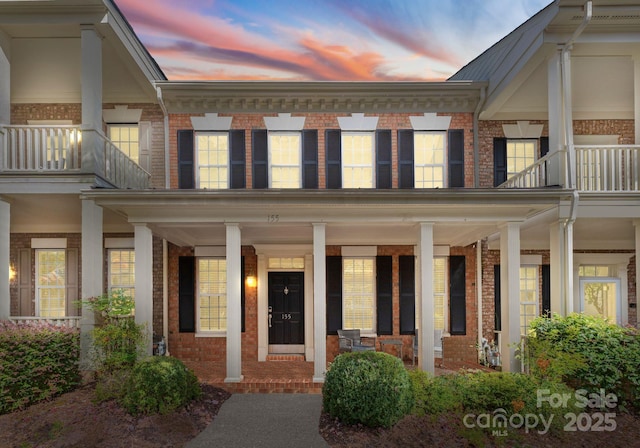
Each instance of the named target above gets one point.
<point>251,281</point>
<point>12,274</point>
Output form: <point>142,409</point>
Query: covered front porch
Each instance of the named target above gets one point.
<point>312,226</point>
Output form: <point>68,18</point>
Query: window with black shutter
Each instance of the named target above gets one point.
<point>384,291</point>
<point>333,141</point>
<point>383,159</point>
<point>499,161</point>
<point>405,159</point>
<point>334,294</point>
<point>457,296</point>
<point>186,294</point>
<point>260,158</point>
<point>456,158</point>
<point>407,278</point>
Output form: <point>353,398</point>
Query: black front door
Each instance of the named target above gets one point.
<point>286,308</point>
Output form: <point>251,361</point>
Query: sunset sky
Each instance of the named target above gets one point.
<point>323,40</point>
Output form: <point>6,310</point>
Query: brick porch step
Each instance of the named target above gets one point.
<point>275,386</point>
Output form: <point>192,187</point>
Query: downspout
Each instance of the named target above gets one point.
<point>565,63</point>
<point>165,245</point>
<point>476,143</point>
<point>479,289</point>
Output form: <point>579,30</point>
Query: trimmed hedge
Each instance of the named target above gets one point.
<point>372,388</point>
<point>37,361</point>
<point>159,385</point>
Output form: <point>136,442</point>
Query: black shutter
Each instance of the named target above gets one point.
<point>383,159</point>
<point>497,310</point>
<point>237,158</point>
<point>310,158</point>
<point>384,291</point>
<point>260,158</point>
<point>186,174</point>
<point>499,161</point>
<point>405,159</point>
<point>457,299</point>
<point>407,279</point>
<point>546,290</point>
<point>333,139</point>
<point>186,294</point>
<point>242,293</point>
<point>334,294</point>
<point>456,158</point>
<point>544,146</point>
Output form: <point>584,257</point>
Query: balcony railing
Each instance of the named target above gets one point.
<point>608,168</point>
<point>69,322</point>
<point>597,169</point>
<point>60,149</point>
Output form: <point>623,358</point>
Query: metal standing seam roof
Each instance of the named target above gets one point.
<point>483,66</point>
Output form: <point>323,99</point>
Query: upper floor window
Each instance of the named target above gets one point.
<point>285,160</point>
<point>127,138</point>
<point>430,159</point>
<point>358,160</point>
<point>520,154</point>
<point>212,160</point>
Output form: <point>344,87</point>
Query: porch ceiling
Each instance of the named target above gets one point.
<point>352,217</point>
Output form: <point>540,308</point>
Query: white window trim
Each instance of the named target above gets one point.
<point>364,332</point>
<point>37,283</point>
<point>536,290</point>
<point>276,133</point>
<point>204,333</point>
<point>196,158</point>
<point>445,162</point>
<point>373,157</point>
<point>110,286</point>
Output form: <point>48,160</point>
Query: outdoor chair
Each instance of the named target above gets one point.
<point>351,341</point>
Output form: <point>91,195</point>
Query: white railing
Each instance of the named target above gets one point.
<point>69,321</point>
<point>120,170</point>
<point>536,175</point>
<point>60,149</point>
<point>608,168</point>
<point>40,148</point>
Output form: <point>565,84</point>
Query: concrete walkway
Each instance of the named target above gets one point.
<point>265,420</point>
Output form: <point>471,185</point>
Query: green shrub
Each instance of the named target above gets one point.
<point>436,395</point>
<point>588,353</point>
<point>372,388</point>
<point>159,384</point>
<point>37,362</point>
<point>117,340</point>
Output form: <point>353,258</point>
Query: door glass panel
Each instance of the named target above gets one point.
<point>600,299</point>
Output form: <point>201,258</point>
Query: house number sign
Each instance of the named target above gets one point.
<point>272,219</point>
<point>286,316</point>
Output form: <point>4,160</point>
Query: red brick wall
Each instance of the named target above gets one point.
<point>321,122</point>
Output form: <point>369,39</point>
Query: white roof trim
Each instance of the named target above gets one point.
<point>522,130</point>
<point>121,114</point>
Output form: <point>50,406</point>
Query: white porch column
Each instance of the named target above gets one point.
<point>510,294</point>
<point>92,273</point>
<point>234,308</point>
<point>91,91</point>
<point>5,79</point>
<point>319,302</point>
<point>5,240</point>
<point>556,131</point>
<point>426,303</point>
<point>143,245</point>
<point>557,258</point>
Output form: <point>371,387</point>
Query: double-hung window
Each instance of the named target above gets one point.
<point>127,138</point>
<point>520,154</point>
<point>430,159</point>
<point>359,293</point>
<point>358,160</point>
<point>439,293</point>
<point>122,270</point>
<point>212,294</point>
<point>285,160</point>
<point>212,160</point>
<point>51,278</point>
<point>528,296</point>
